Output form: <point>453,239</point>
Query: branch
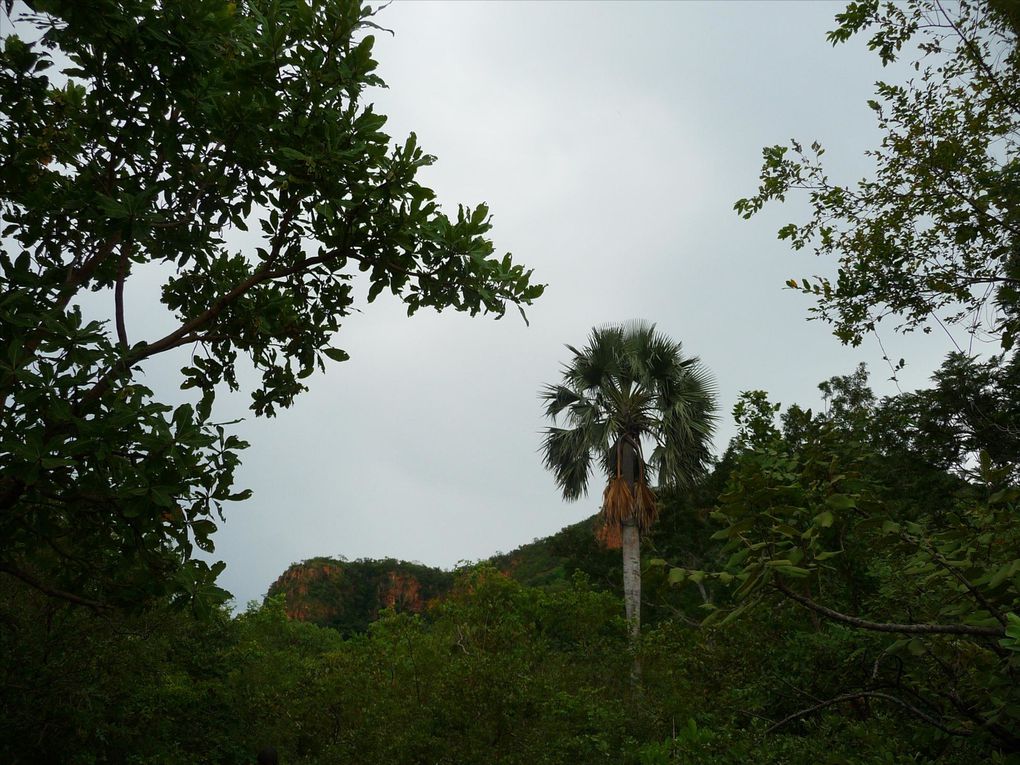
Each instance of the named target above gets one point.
<point>801,691</point>
<point>75,279</point>
<point>190,330</point>
<point>994,728</point>
<point>677,613</point>
<point>78,277</point>
<point>947,180</point>
<point>70,597</point>
<point>974,591</point>
<point>870,695</point>
<point>992,280</point>
<point>187,331</point>
<point>975,51</point>
<point>909,629</point>
<point>118,296</point>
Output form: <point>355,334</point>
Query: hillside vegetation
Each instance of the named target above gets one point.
<point>349,595</point>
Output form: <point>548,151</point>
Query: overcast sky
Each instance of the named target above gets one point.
<point>610,141</point>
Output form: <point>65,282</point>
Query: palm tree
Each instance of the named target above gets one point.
<point>629,389</point>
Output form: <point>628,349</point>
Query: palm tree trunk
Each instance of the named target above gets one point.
<point>632,578</point>
<point>628,466</point>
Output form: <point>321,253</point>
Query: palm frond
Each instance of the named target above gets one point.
<point>567,454</point>
<point>559,397</point>
<point>599,363</point>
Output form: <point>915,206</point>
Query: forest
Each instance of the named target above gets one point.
<point>838,585</point>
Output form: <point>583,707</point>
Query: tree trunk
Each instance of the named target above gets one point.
<point>625,461</point>
<point>632,578</point>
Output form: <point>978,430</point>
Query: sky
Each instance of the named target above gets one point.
<point>610,141</point>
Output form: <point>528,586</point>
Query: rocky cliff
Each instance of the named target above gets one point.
<point>348,595</point>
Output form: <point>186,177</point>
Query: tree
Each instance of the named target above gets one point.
<point>972,410</point>
<point>137,137</point>
<point>629,383</point>
<point>841,509</point>
<point>934,235</point>
<point>837,521</point>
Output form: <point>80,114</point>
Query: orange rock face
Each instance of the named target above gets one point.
<point>296,583</point>
<point>402,592</point>
<point>348,595</point>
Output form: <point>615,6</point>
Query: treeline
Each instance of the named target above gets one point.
<point>498,672</point>
<point>775,664</point>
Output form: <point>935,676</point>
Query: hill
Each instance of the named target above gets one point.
<point>350,595</point>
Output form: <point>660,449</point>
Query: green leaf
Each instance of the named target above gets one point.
<point>890,527</point>
<point>824,519</point>
<point>203,527</point>
<point>159,497</point>
<point>336,354</point>
<point>795,571</point>
<point>840,502</point>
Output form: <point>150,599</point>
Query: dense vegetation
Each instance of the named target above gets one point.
<point>499,670</point>
<point>502,670</point>
<point>842,586</point>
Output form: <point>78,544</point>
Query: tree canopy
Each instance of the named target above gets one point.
<point>897,518</point>
<point>229,150</point>
<point>932,235</point>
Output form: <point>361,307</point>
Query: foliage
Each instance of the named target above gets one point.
<point>810,520</point>
<point>933,234</point>
<point>972,410</point>
<point>880,535</point>
<point>139,140</point>
<point>497,672</point>
<point>82,688</point>
<point>898,519</point>
<point>542,562</point>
